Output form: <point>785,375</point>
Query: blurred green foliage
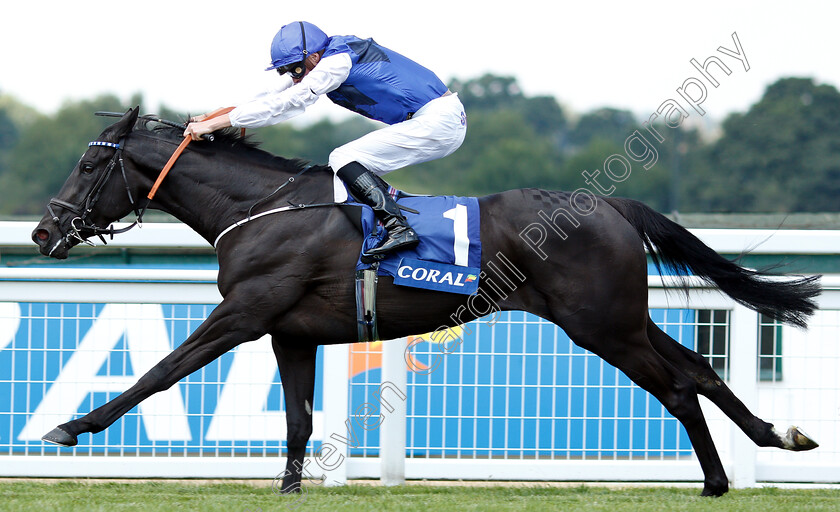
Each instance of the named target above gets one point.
<point>782,155</point>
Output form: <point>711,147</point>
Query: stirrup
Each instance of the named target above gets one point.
<point>401,237</point>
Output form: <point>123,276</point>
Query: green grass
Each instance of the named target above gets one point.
<point>161,496</point>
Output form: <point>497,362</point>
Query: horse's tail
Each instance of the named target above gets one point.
<point>674,247</point>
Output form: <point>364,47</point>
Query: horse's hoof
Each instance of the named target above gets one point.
<point>715,491</point>
<point>60,437</point>
<point>798,441</point>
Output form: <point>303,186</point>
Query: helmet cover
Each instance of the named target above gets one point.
<point>288,45</point>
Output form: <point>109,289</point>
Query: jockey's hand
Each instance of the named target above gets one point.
<point>196,129</point>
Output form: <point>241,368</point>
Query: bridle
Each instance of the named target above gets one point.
<point>80,227</point>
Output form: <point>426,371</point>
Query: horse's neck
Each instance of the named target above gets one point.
<point>210,194</point>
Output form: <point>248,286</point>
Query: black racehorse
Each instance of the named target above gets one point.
<point>291,275</point>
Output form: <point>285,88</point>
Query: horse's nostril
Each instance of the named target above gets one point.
<point>41,234</point>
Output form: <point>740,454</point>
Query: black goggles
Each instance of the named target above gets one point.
<point>297,70</point>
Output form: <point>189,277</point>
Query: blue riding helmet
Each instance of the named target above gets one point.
<point>294,42</point>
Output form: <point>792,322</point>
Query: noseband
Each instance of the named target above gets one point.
<point>80,227</point>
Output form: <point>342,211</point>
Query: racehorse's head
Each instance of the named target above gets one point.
<point>93,196</point>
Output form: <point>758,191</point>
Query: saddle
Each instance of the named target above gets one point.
<point>447,259</point>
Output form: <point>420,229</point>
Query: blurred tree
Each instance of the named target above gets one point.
<point>8,139</point>
<point>780,156</point>
<point>18,113</point>
<point>47,151</point>
<point>488,92</point>
<point>14,116</point>
<point>505,151</point>
<point>502,150</point>
<point>8,131</point>
<point>491,93</point>
<point>605,123</point>
<point>512,141</point>
<point>783,154</point>
<point>647,185</point>
<point>313,142</point>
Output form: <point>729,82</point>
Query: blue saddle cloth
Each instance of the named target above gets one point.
<point>449,229</point>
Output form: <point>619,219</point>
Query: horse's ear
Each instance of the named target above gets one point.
<point>124,126</point>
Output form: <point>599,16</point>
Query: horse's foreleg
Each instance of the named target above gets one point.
<point>710,385</point>
<point>296,361</point>
<point>225,328</point>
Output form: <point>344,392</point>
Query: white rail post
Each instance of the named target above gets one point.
<point>393,430</point>
<point>743,376</point>
<point>336,389</point>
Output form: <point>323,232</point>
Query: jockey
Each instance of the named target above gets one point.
<point>426,120</point>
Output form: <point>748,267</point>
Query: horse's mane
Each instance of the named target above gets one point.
<point>229,140</point>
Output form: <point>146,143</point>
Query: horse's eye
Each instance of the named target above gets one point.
<point>86,167</point>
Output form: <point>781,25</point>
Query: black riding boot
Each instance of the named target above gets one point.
<point>371,190</point>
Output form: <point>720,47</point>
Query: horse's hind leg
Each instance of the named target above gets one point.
<point>600,299</point>
<point>629,350</point>
<point>296,361</point>
<point>712,387</point>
